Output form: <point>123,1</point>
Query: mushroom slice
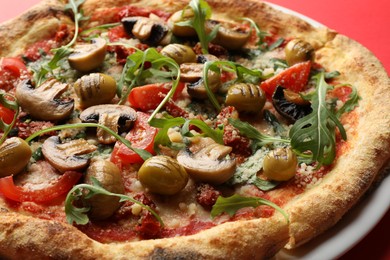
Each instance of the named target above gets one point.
<point>207,161</point>
<point>116,117</point>
<point>145,29</point>
<point>67,156</point>
<point>43,103</point>
<point>229,35</point>
<point>87,57</point>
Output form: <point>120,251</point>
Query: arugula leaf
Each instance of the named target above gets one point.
<point>314,134</point>
<point>165,123</point>
<point>79,215</point>
<point>265,185</point>
<point>251,132</point>
<point>232,204</point>
<point>350,104</point>
<point>142,153</point>
<point>8,101</point>
<point>272,120</point>
<point>260,34</point>
<point>145,67</point>
<point>63,51</point>
<point>202,12</point>
<point>243,74</point>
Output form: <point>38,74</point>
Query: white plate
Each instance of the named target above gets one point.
<point>355,225</point>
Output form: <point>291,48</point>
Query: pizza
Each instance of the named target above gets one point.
<point>181,130</point>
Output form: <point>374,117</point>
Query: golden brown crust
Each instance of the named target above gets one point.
<point>310,214</point>
<point>22,236</point>
<point>40,22</point>
<point>355,171</point>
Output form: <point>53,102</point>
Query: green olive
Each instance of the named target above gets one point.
<point>87,57</point>
<point>182,16</point>
<point>298,51</point>
<point>163,175</point>
<point>95,89</point>
<point>180,53</point>
<point>229,35</point>
<point>280,164</point>
<point>110,178</point>
<point>246,97</point>
<point>15,154</point>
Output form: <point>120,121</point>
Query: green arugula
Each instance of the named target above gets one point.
<point>142,153</point>
<point>8,101</point>
<point>243,74</point>
<point>314,135</point>
<point>202,12</point>
<point>251,132</point>
<point>351,103</point>
<point>260,34</point>
<point>165,123</point>
<point>145,67</point>
<point>86,191</point>
<point>232,204</point>
<point>63,51</point>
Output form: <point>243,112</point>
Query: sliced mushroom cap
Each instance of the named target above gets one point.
<point>87,57</point>
<point>43,103</point>
<point>287,109</point>
<point>229,35</point>
<point>116,117</point>
<point>206,161</point>
<point>145,29</point>
<point>67,156</point>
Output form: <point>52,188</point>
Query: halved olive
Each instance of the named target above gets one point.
<point>181,16</point>
<point>280,164</point>
<point>109,177</point>
<point>298,51</point>
<point>246,97</point>
<point>229,35</point>
<point>163,175</point>
<point>95,89</point>
<point>180,53</point>
<point>15,154</point>
<point>87,57</point>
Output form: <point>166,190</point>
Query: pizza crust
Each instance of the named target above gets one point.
<point>32,238</point>
<point>40,22</point>
<point>310,214</point>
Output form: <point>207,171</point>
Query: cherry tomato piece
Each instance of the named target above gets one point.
<point>11,71</point>
<point>141,136</point>
<point>294,78</point>
<point>20,194</point>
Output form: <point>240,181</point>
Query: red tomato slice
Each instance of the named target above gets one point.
<point>141,136</point>
<point>20,194</point>
<point>294,78</point>
<point>7,115</point>
<point>11,70</point>
<point>148,97</point>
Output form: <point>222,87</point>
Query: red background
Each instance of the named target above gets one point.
<point>364,21</point>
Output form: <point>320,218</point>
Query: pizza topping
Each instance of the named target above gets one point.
<point>43,102</point>
<point>297,51</point>
<point>67,156</point>
<point>280,164</point>
<point>179,52</point>
<point>12,70</point>
<point>95,89</point>
<point>118,118</point>
<point>244,97</point>
<point>289,110</point>
<point>207,161</point>
<point>109,177</point>
<point>15,154</point>
<point>175,23</point>
<point>207,195</point>
<point>163,175</point>
<point>229,35</point>
<point>87,57</point>
<point>150,31</point>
